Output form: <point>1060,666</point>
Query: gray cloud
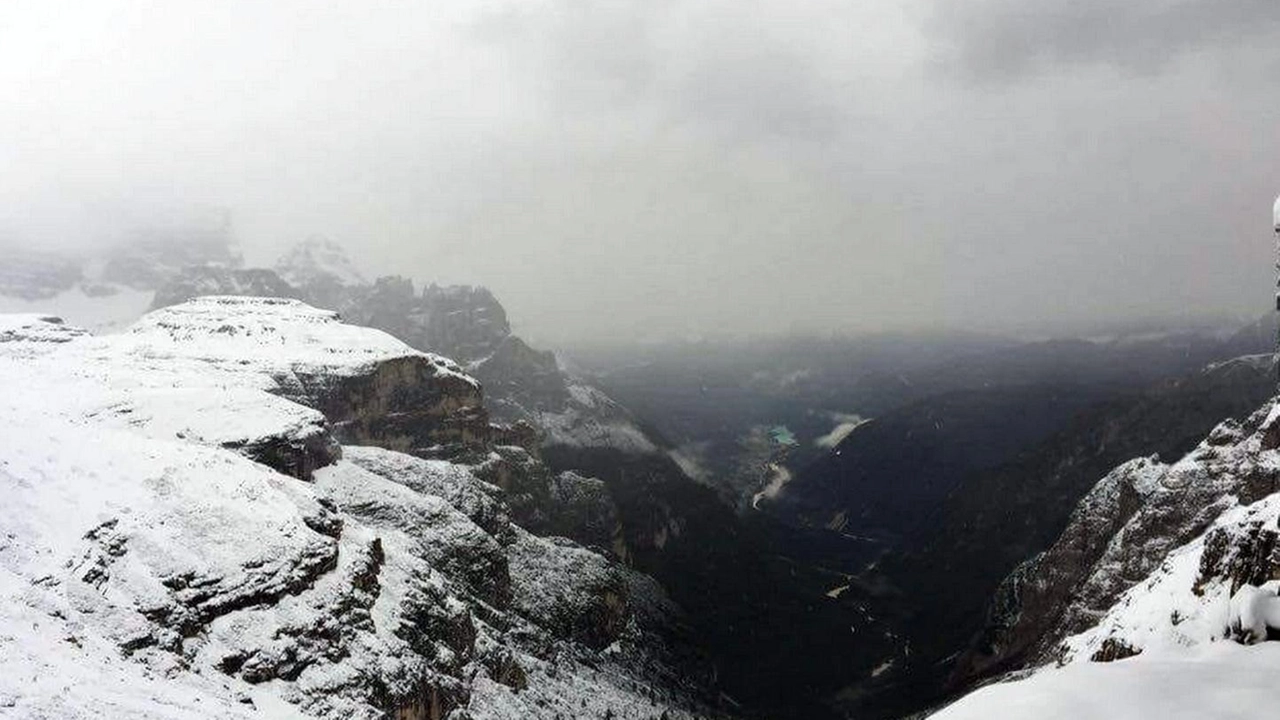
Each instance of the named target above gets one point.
<point>1008,38</point>
<point>624,168</point>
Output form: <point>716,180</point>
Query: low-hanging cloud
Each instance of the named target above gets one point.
<point>1009,38</point>
<point>628,169</point>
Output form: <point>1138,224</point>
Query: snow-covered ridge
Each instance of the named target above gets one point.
<point>1163,576</point>
<point>181,538</point>
<point>591,419</point>
<point>1174,646</point>
<point>28,332</point>
<point>268,331</point>
<point>464,322</point>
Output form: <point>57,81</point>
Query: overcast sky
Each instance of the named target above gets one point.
<point>641,168</point>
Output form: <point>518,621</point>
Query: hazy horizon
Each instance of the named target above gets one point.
<point>630,169</point>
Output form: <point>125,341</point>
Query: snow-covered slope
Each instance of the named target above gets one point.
<point>1220,681</point>
<point>591,419</point>
<point>181,537</point>
<point>1146,606</point>
<point>1177,645</point>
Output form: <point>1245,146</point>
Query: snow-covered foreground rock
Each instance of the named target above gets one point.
<point>1159,598</point>
<point>1223,681</point>
<point>182,535</point>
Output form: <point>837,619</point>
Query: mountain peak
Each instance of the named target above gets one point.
<point>318,258</point>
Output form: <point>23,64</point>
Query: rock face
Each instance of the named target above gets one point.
<point>558,434</point>
<point>1164,573</point>
<point>469,325</point>
<point>976,544</point>
<point>461,322</point>
<point>528,381</point>
<point>405,404</point>
<point>318,260</point>
<point>374,389</point>
<point>574,426</point>
<point>1190,533</point>
<point>467,320</point>
<point>178,506</point>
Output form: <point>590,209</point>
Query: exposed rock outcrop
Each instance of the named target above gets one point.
<point>372,388</point>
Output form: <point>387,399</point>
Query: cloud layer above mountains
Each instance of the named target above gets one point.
<point>643,168</point>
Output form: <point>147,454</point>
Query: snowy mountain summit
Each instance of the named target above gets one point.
<point>242,507</point>
<point>464,322</point>
<point>318,259</point>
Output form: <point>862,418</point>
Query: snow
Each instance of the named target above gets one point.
<point>265,333</point>
<point>1186,632</point>
<point>1166,613</point>
<point>216,419</point>
<point>176,505</point>
<point>31,335</point>
<point>256,343</point>
<point>1256,609</point>
<point>140,552</point>
<point>447,480</point>
<point>50,667</point>
<point>1223,680</point>
<point>592,420</point>
<point>1275,214</point>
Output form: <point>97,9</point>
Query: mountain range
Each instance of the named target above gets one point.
<point>295,489</point>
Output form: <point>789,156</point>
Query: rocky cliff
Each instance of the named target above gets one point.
<point>1118,534</point>
<point>573,462</point>
<point>198,524</point>
<point>1163,568</point>
<point>997,518</point>
<point>573,426</point>
<point>461,322</point>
